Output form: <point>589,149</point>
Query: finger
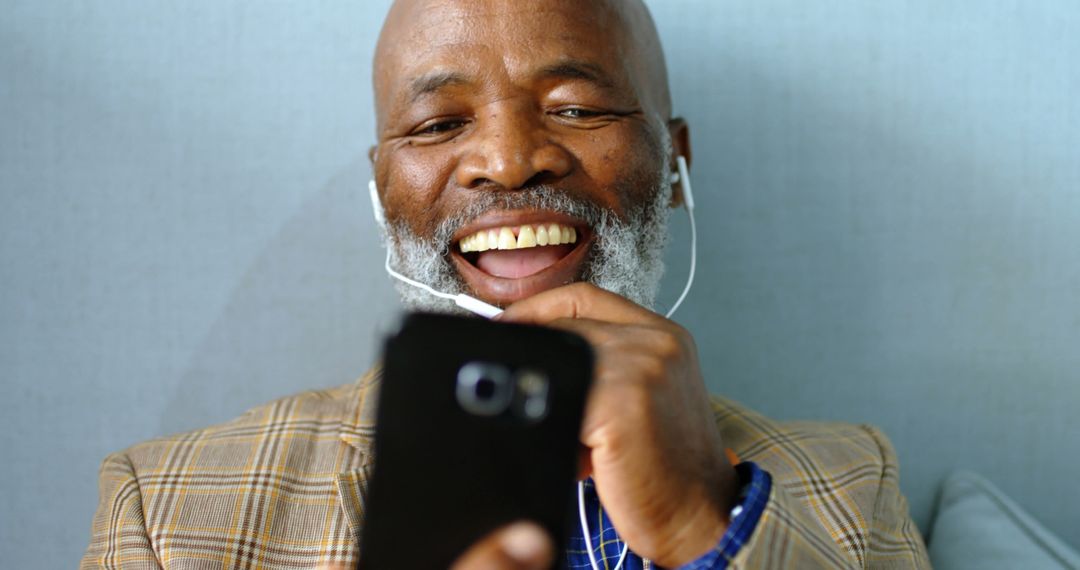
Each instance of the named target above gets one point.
<point>596,332</point>
<point>520,546</point>
<point>575,301</point>
<point>605,337</point>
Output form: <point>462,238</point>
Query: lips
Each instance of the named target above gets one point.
<point>507,256</point>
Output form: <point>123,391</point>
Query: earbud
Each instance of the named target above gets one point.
<point>684,176</point>
<point>376,204</point>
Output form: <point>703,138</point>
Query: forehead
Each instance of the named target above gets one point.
<point>489,38</point>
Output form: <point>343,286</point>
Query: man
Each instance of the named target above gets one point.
<point>524,146</point>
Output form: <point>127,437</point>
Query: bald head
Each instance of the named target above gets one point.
<point>416,31</point>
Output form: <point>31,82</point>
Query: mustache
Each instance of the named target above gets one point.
<point>540,197</point>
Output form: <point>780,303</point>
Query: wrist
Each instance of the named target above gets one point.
<point>701,528</point>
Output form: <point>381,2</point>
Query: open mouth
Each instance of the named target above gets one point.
<point>513,252</point>
<point>505,262</point>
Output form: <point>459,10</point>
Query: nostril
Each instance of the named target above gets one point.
<point>482,183</point>
<point>542,178</point>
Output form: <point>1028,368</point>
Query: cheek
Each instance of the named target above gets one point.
<point>622,164</point>
<point>413,183</point>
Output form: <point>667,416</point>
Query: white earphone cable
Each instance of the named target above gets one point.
<point>688,201</point>
<point>489,311</point>
<point>414,283</point>
<point>471,304</point>
<point>588,536</point>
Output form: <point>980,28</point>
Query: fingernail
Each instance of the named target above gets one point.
<point>525,542</point>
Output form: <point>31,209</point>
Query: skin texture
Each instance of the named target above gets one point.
<point>478,96</point>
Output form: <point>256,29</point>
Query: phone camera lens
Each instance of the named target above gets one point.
<point>484,388</point>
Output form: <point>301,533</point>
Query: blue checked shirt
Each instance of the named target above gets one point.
<point>607,547</point>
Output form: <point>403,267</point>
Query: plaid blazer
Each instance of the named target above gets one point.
<point>283,486</point>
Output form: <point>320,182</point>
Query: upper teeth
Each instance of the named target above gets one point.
<point>518,237</point>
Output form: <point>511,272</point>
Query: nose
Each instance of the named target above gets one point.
<point>511,149</point>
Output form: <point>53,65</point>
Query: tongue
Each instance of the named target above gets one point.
<point>518,263</point>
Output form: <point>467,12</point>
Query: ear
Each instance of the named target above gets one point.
<point>680,146</point>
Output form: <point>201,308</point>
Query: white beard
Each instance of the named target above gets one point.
<point>626,257</point>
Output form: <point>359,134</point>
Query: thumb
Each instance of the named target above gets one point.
<point>520,546</point>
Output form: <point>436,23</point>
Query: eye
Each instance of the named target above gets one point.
<point>438,127</point>
<point>579,113</point>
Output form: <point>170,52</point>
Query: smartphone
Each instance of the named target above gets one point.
<point>478,426</point>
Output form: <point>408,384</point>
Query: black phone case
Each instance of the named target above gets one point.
<point>444,477</point>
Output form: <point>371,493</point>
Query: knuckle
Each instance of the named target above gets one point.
<point>667,345</point>
<point>685,340</point>
<point>653,367</point>
<point>643,368</point>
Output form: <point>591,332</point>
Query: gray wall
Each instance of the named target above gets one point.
<point>889,203</point>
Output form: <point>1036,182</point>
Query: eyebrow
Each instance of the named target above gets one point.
<point>577,69</point>
<point>434,81</point>
<point>563,69</point>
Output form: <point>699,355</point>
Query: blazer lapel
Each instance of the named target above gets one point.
<point>358,432</point>
<point>352,491</point>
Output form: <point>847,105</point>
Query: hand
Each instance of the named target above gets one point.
<point>520,546</point>
<point>653,448</point>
